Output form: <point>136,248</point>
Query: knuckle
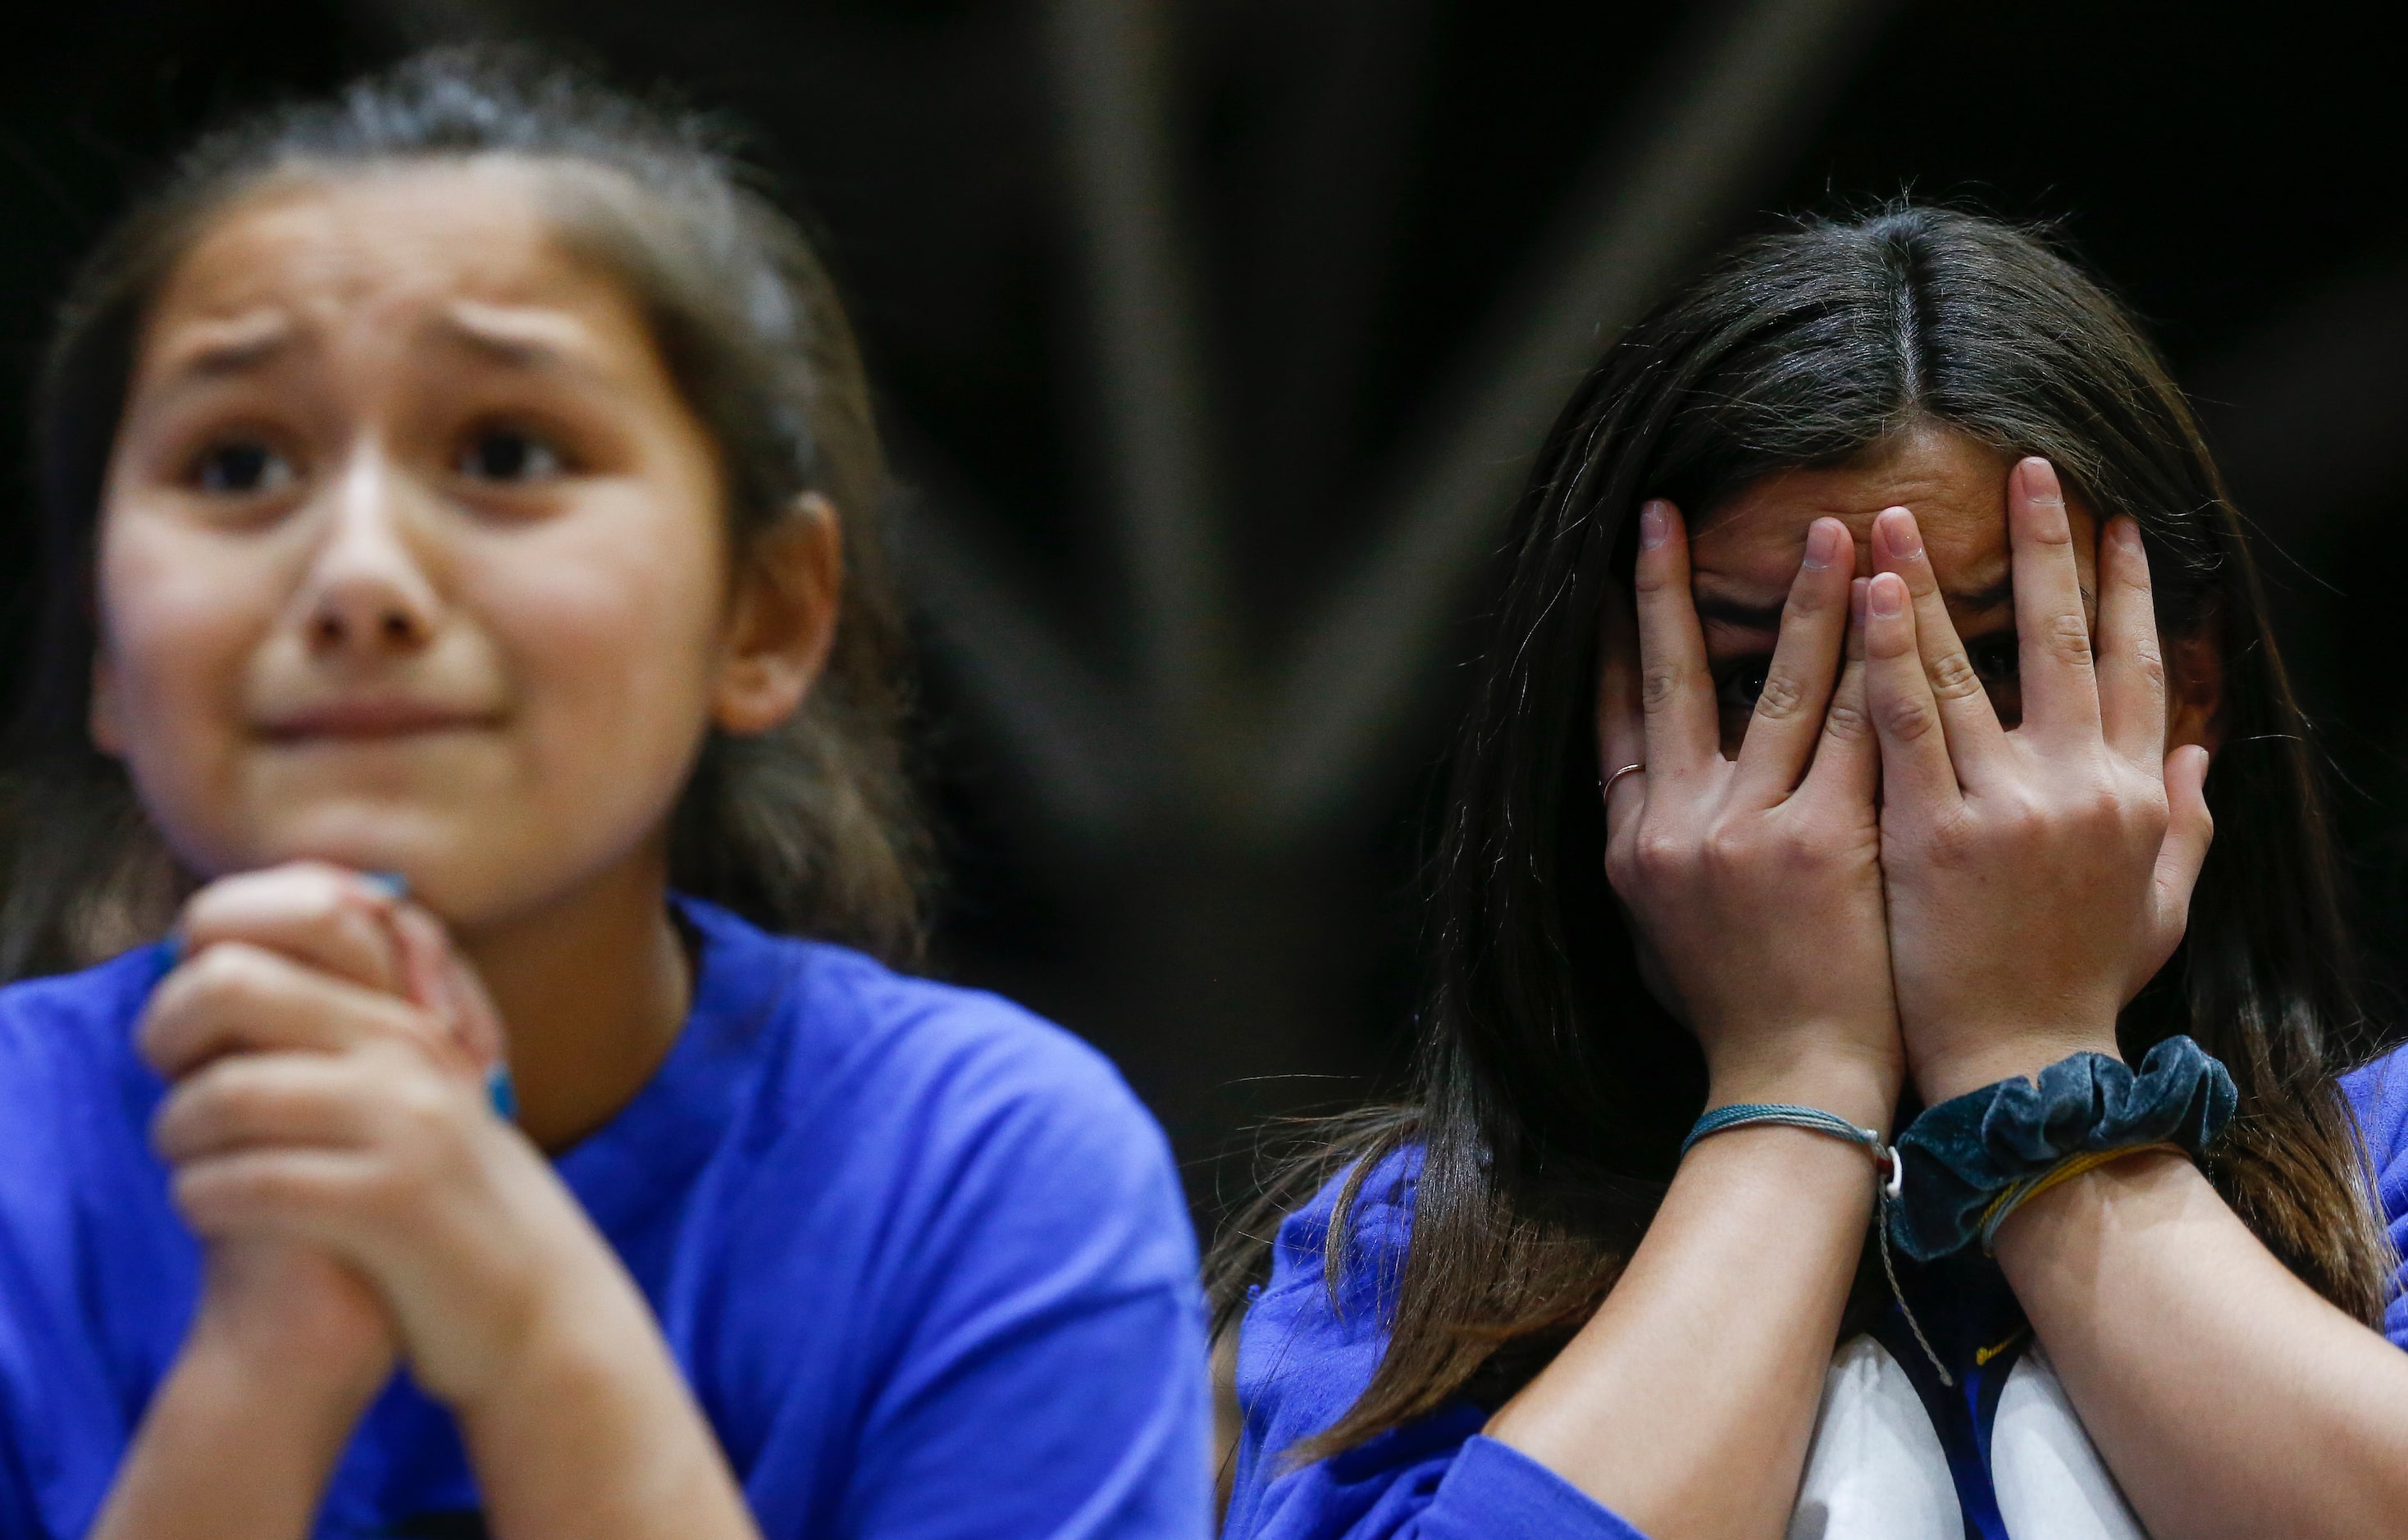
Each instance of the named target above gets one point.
<point>1799,846</point>
<point>1846,722</point>
<point>1659,685</point>
<point>2022,818</point>
<point>2069,639</point>
<point>1953,677</point>
<point>2149,662</point>
<point>1729,849</point>
<point>1655,857</point>
<point>1952,841</point>
<point>422,1102</point>
<point>1907,720</point>
<point>1780,696</point>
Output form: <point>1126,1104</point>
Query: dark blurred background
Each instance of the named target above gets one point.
<point>1212,336</point>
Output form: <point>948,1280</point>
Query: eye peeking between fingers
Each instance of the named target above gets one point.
<point>1739,684</point>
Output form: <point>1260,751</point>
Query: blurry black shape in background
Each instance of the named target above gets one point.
<point>1212,335</point>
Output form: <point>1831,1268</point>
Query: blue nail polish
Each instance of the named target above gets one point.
<point>502,1092</point>
<point>391,884</point>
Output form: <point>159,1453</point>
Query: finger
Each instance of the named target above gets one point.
<point>284,1194</point>
<point>1976,739</point>
<point>327,917</point>
<point>238,998</point>
<point>255,1099</point>
<point>2189,830</point>
<point>1676,694</point>
<point>1621,725</point>
<point>441,981</point>
<point>1847,756</point>
<point>2061,685</point>
<point>1914,765</point>
<point>2132,660</point>
<point>1789,714</point>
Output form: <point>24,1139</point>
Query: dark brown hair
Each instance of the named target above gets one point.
<point>1552,1090</point>
<point>810,827</point>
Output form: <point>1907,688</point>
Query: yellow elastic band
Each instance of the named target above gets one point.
<point>2015,1197</point>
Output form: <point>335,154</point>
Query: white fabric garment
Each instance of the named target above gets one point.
<point>1876,1471</point>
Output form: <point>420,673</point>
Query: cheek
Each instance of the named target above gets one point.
<point>607,622</point>
<point>181,613</point>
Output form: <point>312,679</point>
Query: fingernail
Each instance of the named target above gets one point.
<point>1820,538</point>
<point>2039,480</point>
<point>1887,597</point>
<point>2127,531</point>
<point>1651,525</point>
<point>1897,528</point>
<point>503,1092</point>
<point>391,884</point>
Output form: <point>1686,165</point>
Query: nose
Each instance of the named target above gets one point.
<point>368,594</point>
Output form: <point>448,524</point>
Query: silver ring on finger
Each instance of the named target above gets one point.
<point>1605,787</point>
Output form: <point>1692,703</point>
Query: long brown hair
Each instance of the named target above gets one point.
<point>1552,1091</point>
<point>808,828</point>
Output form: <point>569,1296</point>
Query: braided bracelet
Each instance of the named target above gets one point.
<point>1889,1177</point>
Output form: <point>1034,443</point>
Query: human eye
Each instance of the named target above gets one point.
<point>1741,683</point>
<point>241,467</point>
<point>1998,664</point>
<point>1997,660</point>
<point>510,455</point>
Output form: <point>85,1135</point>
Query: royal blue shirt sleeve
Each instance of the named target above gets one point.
<point>2378,1093</point>
<point>1306,1351</point>
<point>1034,1311</point>
<point>78,1185</point>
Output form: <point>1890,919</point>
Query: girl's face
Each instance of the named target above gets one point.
<point>1745,553</point>
<point>412,558</point>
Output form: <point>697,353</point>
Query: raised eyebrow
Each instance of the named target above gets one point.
<point>236,347</point>
<point>517,344</point>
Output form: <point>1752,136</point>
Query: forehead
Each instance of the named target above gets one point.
<point>370,248</point>
<point>1956,486</point>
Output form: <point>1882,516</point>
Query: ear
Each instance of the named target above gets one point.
<point>2195,687</point>
<point>782,618</point>
<point>102,718</point>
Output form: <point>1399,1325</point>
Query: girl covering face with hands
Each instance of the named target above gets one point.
<point>1883,585</point>
<point>462,501</point>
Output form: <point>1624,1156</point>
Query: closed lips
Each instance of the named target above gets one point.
<point>372,718</point>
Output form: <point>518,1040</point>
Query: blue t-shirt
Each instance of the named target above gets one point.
<point>921,1257</point>
<point>1307,1351</point>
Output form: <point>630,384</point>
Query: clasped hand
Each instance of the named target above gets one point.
<point>332,1143</point>
<point>1886,879</point>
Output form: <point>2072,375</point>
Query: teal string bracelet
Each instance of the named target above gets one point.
<point>1889,1181</point>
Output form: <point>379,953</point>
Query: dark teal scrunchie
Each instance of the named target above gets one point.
<point>1960,1155</point>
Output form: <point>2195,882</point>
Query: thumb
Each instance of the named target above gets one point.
<point>441,981</point>
<point>2189,829</point>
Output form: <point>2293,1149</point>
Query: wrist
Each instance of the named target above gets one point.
<point>1984,1055</point>
<point>308,1402</point>
<point>573,1343</point>
<point>1860,1087</point>
<point>307,1370</point>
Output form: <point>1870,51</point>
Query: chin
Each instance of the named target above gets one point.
<point>458,866</point>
